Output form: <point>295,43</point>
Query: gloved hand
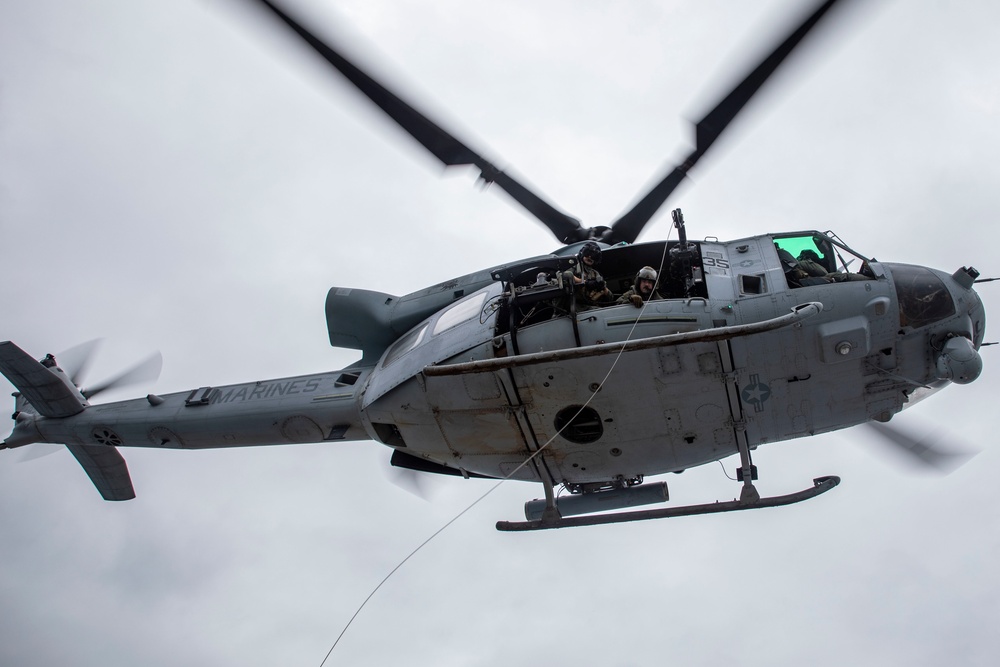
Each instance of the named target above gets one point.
<point>636,300</point>
<point>595,284</point>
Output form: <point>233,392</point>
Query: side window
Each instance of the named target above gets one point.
<point>753,284</point>
<point>816,260</point>
<point>404,345</point>
<point>459,312</point>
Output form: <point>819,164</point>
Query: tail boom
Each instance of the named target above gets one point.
<point>309,408</point>
<point>50,408</point>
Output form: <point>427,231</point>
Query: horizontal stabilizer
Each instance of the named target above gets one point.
<point>107,469</point>
<point>50,394</point>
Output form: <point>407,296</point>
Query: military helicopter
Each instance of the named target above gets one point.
<point>500,374</point>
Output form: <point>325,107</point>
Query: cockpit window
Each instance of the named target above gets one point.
<point>459,312</point>
<point>815,259</point>
<point>923,298</point>
<point>807,246</point>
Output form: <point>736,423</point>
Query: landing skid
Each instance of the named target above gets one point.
<point>820,485</point>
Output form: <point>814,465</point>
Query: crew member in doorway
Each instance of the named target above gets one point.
<point>589,289</point>
<point>643,288</point>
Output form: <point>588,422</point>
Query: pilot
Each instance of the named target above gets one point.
<point>795,274</point>
<point>809,262</point>
<point>643,288</point>
<point>589,289</point>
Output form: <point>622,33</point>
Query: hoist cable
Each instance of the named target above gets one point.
<point>509,475</point>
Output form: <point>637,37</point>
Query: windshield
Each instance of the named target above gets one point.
<point>923,297</point>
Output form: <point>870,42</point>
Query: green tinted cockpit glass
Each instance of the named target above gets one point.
<point>816,247</point>
<point>823,250</point>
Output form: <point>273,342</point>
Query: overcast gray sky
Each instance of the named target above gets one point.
<point>181,176</point>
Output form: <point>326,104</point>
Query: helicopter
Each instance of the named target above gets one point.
<point>498,374</point>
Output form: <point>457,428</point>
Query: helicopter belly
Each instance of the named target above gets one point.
<point>637,423</point>
<point>464,422</point>
<point>482,425</point>
<point>588,424</point>
<point>654,411</point>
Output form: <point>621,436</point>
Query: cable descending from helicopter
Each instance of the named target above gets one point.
<point>550,514</point>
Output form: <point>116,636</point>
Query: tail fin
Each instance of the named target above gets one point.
<point>46,390</point>
<point>107,470</point>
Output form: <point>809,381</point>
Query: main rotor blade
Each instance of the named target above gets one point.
<point>411,481</point>
<point>925,450</point>
<point>707,130</point>
<point>442,144</point>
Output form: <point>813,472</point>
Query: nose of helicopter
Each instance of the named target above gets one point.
<point>950,311</point>
<point>959,360</point>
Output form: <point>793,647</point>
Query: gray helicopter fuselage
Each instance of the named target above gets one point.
<point>594,414</point>
<point>664,409</point>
